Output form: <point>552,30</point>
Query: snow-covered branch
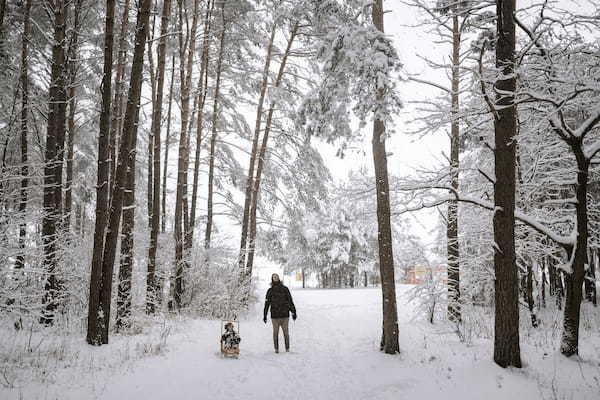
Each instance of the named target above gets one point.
<point>567,242</point>
<point>433,84</point>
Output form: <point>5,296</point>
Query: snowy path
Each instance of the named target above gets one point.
<point>334,356</point>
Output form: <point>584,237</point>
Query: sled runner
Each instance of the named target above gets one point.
<point>230,339</point>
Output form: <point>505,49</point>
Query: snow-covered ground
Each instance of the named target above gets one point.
<point>334,356</point>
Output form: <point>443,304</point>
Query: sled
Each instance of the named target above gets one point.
<point>225,352</point>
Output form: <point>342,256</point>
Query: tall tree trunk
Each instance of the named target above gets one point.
<point>253,151</point>
<point>543,286</point>
<point>506,339</point>
<point>202,92</point>
<point>125,152</point>
<point>262,155</point>
<point>186,120</point>
<point>95,321</point>
<point>454,313</point>
<point>150,165</point>
<point>2,15</point>
<point>590,278</point>
<point>386,257</point>
<point>73,51</point>
<point>574,281</point>
<point>123,320</point>
<point>70,155</point>
<point>20,261</point>
<point>52,199</point>
<point>117,105</point>
<point>187,243</point>
<point>560,288</point>
<point>181,220</point>
<point>551,276</point>
<point>61,124</point>
<point>167,144</point>
<point>213,137</point>
<point>156,124</point>
<point>79,217</point>
<point>126,158</point>
<point>2,30</point>
<point>593,293</point>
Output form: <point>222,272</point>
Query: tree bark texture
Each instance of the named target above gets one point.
<point>389,341</point>
<point>24,78</point>
<point>125,149</point>
<point>71,128</point>
<point>117,104</point>
<point>167,144</point>
<point>96,321</point>
<point>454,313</point>
<point>52,198</point>
<point>123,320</point>
<point>574,281</point>
<point>506,338</point>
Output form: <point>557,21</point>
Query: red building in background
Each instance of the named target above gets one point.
<point>417,274</point>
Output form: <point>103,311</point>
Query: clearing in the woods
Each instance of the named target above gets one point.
<point>334,356</point>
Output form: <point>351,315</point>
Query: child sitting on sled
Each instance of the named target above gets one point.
<point>230,340</point>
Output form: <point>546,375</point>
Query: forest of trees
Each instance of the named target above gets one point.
<point>527,83</point>
<point>135,134</point>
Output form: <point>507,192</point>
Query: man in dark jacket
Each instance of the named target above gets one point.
<point>279,299</point>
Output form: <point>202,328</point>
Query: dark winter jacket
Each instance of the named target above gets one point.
<point>280,300</point>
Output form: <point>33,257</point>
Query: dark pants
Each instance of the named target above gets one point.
<point>283,323</point>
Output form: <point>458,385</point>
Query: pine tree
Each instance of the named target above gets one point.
<point>389,340</point>
<point>126,154</point>
<point>96,320</point>
<point>213,136</point>
<point>20,260</point>
<point>116,124</point>
<point>167,144</point>
<point>156,134</point>
<point>506,327</point>
<point>254,149</point>
<point>262,155</point>
<point>55,135</point>
<point>201,100</point>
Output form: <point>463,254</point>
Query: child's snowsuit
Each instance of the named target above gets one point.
<point>230,339</point>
